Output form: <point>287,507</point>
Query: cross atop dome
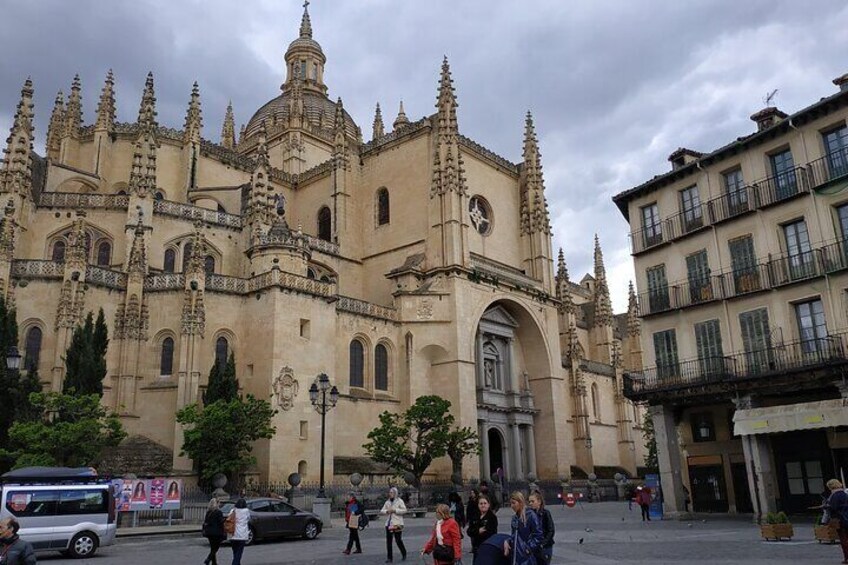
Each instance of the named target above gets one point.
<point>305,59</point>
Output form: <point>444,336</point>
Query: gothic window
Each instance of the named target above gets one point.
<point>382,206</point>
<point>357,364</point>
<point>310,273</point>
<point>209,264</point>
<point>481,215</point>
<point>222,347</point>
<point>325,229</point>
<point>122,192</point>
<point>381,367</point>
<point>58,253</point>
<point>32,349</point>
<point>166,358</point>
<point>170,260</point>
<point>104,254</point>
<point>596,403</point>
<point>186,255</point>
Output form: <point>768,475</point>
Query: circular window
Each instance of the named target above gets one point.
<point>481,215</point>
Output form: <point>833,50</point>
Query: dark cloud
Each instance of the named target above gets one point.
<point>615,86</point>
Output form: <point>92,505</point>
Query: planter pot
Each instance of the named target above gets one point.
<point>777,532</point>
<point>826,534</point>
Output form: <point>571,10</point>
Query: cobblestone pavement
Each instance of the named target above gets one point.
<point>611,535</point>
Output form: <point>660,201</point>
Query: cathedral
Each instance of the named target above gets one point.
<point>416,263</point>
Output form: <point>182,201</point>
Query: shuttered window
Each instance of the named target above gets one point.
<point>811,325</point>
<point>698,272</point>
<point>799,250</point>
<point>756,339</point>
<point>657,288</point>
<point>665,351</point>
<point>836,144</point>
<point>744,264</point>
<point>708,343</point>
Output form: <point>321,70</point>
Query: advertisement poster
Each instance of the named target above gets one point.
<point>175,490</point>
<point>140,490</point>
<point>157,493</point>
<point>653,482</point>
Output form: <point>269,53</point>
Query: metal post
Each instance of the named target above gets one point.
<point>323,433</point>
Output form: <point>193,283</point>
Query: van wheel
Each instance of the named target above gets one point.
<point>84,544</point>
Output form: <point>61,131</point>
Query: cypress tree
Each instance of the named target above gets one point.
<point>9,380</point>
<point>85,359</point>
<point>223,384</point>
<point>24,410</point>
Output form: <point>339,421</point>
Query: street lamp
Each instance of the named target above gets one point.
<point>13,359</point>
<point>318,396</point>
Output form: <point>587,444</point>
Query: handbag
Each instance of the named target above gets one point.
<point>230,524</point>
<point>443,553</point>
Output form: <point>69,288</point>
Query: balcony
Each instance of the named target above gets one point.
<point>794,366</point>
<point>686,222</point>
<point>778,188</point>
<point>732,204</point>
<point>828,169</point>
<point>648,237</point>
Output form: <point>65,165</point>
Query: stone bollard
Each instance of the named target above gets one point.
<point>593,487</point>
<point>620,484</point>
<point>297,497</point>
<point>532,485</point>
<point>219,481</point>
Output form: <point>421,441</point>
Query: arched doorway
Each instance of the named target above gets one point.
<point>496,451</point>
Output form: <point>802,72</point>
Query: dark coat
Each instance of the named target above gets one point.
<point>838,505</point>
<point>472,511</point>
<point>548,528</point>
<point>526,538</point>
<point>489,522</point>
<point>17,552</point>
<point>213,524</point>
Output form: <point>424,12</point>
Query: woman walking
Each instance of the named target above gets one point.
<point>457,509</point>
<point>472,509</point>
<point>395,509</point>
<point>484,525</point>
<point>445,542</point>
<point>213,530</point>
<point>353,510</point>
<point>837,505</point>
<point>643,499</point>
<point>526,532</point>
<point>537,503</point>
<point>241,516</point>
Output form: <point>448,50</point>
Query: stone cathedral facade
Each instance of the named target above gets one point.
<point>417,263</point>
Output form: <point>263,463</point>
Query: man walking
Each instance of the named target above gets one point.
<point>14,550</point>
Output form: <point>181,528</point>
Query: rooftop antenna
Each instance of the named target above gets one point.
<point>769,99</point>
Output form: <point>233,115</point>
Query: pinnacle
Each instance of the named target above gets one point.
<point>401,119</point>
<point>305,22</point>
<point>379,128</point>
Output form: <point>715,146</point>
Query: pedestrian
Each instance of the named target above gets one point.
<point>537,503</point>
<point>353,510</point>
<point>240,516</point>
<point>484,525</point>
<point>395,508</point>
<point>457,509</point>
<point>472,509</point>
<point>526,532</point>
<point>213,530</point>
<point>14,550</point>
<point>643,499</point>
<point>837,505</point>
<point>445,542</point>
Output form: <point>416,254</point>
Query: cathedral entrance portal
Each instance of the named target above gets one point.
<point>496,458</point>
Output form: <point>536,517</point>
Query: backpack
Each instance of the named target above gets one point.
<point>363,521</point>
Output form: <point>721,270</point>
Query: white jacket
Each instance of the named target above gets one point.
<point>242,517</point>
<point>395,518</point>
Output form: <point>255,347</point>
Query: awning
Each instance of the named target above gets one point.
<point>804,416</point>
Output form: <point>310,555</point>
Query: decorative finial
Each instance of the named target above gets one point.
<point>305,23</point>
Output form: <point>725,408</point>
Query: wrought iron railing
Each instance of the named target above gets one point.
<point>732,204</point>
<point>650,236</point>
<point>829,168</point>
<point>778,188</point>
<point>686,222</point>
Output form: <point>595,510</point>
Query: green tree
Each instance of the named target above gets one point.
<point>85,359</point>
<point>219,436</point>
<point>222,384</point>
<point>73,431</point>
<point>9,380</point>
<point>651,462</point>
<point>461,442</point>
<point>25,410</point>
<point>410,442</point>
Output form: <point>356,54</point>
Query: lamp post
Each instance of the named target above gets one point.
<point>324,399</point>
<point>13,359</point>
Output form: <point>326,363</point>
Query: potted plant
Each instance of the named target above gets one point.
<point>777,527</point>
<point>826,533</point>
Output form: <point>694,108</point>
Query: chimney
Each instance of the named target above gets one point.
<point>841,82</point>
<point>682,157</point>
<point>768,117</point>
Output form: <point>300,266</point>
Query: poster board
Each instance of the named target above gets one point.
<point>150,494</point>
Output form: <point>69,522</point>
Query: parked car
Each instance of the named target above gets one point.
<point>274,518</point>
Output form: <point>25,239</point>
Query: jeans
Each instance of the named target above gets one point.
<point>238,549</point>
<point>843,541</point>
<point>214,545</point>
<point>646,514</point>
<point>352,538</point>
<point>398,535</point>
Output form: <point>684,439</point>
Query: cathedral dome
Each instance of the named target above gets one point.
<point>317,109</point>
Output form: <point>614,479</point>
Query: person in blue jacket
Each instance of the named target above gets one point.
<point>526,539</point>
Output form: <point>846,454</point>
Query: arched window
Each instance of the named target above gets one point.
<point>325,224</point>
<point>301,469</point>
<point>357,364</point>
<point>381,367</point>
<point>596,403</point>
<point>383,207</point>
<point>310,273</point>
<point>159,196</point>
<point>104,254</point>
<point>209,264</point>
<point>222,347</point>
<point>170,260</point>
<point>166,358</point>
<point>186,255</point>
<point>122,192</point>
<point>58,253</point>
<point>32,349</point>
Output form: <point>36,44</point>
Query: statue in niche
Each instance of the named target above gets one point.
<point>489,372</point>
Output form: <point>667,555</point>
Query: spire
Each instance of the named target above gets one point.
<point>143,173</point>
<point>241,135</point>
<point>379,130</point>
<point>563,293</point>
<point>260,197</point>
<point>56,126</point>
<point>305,22</point>
<point>601,297</point>
<point>449,173</point>
<point>194,118</point>
<point>16,174</point>
<point>73,113</point>
<point>633,322</point>
<point>137,263</point>
<point>339,131</point>
<point>534,206</point>
<point>401,119</point>
<point>7,232</point>
<point>446,103</point>
<point>106,106</point>
<point>228,132</point>
<point>147,109</point>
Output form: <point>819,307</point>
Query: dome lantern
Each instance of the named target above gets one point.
<point>305,59</point>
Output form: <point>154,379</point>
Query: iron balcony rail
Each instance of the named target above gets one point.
<point>800,356</point>
<point>789,268</point>
<point>650,236</point>
<point>781,187</point>
<point>831,167</point>
<point>732,204</point>
<point>686,221</point>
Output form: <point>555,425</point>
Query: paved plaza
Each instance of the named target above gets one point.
<point>611,535</point>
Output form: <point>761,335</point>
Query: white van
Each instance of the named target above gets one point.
<point>72,516</point>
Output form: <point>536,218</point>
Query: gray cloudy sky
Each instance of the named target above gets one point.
<point>615,86</point>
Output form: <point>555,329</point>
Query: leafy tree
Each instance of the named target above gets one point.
<point>461,442</point>
<point>410,442</point>
<point>651,461</point>
<point>85,359</point>
<point>219,436</point>
<point>73,431</point>
<point>25,410</point>
<point>223,384</point>
<point>9,380</point>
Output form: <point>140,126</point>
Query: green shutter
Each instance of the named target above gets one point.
<point>708,343</point>
<point>657,289</point>
<point>665,351</point>
<point>756,339</point>
<point>742,256</point>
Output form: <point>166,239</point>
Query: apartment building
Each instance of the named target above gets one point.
<point>741,259</point>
